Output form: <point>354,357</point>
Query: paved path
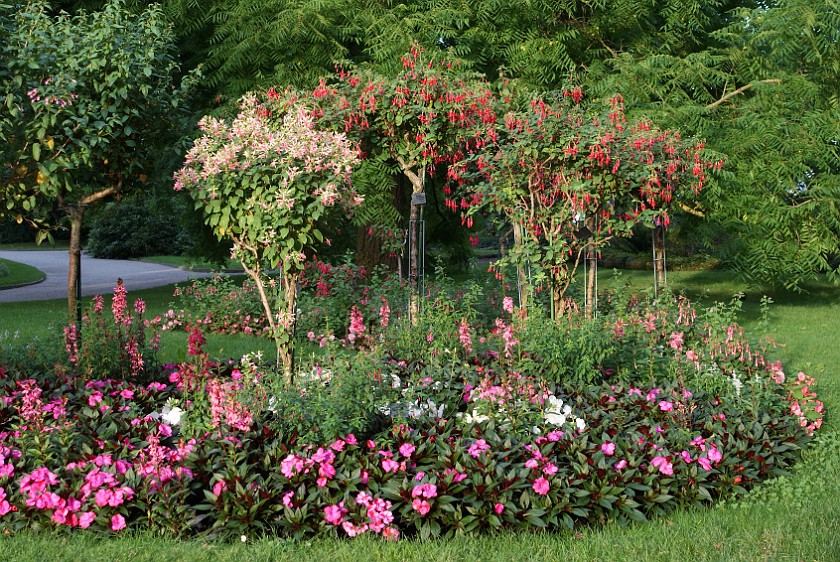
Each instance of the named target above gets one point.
<point>99,277</point>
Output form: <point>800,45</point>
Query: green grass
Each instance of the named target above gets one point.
<point>19,274</point>
<point>193,263</point>
<point>58,245</point>
<point>794,518</point>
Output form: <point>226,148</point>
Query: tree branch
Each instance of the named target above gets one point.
<point>741,90</point>
<point>691,210</point>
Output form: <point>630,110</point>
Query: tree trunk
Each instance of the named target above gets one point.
<point>413,240</point>
<point>521,277</point>
<point>591,270</point>
<point>414,262</point>
<point>74,289</point>
<point>659,272</point>
<point>369,251</point>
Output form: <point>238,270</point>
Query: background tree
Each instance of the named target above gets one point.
<point>88,103</point>
<point>762,90</point>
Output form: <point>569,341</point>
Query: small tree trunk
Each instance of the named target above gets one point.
<point>558,301</point>
<point>659,272</point>
<point>413,240</point>
<point>287,351</point>
<point>522,279</point>
<point>591,258</point>
<point>74,274</point>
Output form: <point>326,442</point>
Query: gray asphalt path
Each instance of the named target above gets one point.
<point>99,277</point>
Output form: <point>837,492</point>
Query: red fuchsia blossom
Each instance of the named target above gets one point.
<point>541,486</point>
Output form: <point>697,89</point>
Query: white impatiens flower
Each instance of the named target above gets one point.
<point>475,417</point>
<point>555,419</point>
<point>557,413</point>
<point>171,415</point>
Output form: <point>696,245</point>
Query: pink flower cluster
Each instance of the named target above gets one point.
<point>375,516</point>
<point>225,406</point>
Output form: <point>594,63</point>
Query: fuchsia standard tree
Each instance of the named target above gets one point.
<point>265,180</point>
<point>424,116</point>
<point>571,176</point>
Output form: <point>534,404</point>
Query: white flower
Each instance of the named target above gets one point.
<point>580,423</point>
<point>171,416</point>
<point>736,382</point>
<point>475,417</point>
<point>243,538</point>
<point>555,418</point>
<point>395,381</point>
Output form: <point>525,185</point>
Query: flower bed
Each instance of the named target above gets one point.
<point>474,435</point>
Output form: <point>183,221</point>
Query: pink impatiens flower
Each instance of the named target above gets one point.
<point>407,449</point>
<point>424,490</point>
<point>663,465</point>
<point>666,406</point>
<point>608,448</point>
<point>334,514</point>
<point>117,522</point>
<point>541,486</point>
<point>421,506</point>
<point>477,448</point>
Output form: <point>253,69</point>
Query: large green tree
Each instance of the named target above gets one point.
<point>88,103</point>
<point>764,91</point>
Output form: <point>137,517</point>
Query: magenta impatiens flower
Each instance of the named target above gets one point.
<point>334,514</point>
<point>663,465</point>
<point>424,490</point>
<point>477,448</point>
<point>421,506</point>
<point>407,449</point>
<point>608,448</point>
<point>117,522</point>
<point>541,486</point>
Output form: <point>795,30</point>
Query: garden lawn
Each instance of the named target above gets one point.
<point>796,517</point>
<point>18,274</point>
